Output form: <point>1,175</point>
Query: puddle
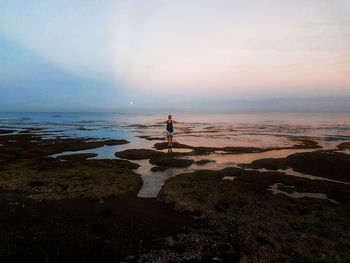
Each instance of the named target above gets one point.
<point>176,150</point>
<point>245,158</point>
<point>153,181</point>
<point>290,171</point>
<point>104,152</point>
<point>275,190</point>
<point>107,152</point>
<point>344,151</point>
<point>231,178</point>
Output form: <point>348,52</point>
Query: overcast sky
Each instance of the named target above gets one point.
<point>100,55</point>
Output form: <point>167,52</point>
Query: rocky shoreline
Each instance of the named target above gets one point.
<point>76,208</point>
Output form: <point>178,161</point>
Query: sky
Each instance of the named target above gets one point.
<point>99,55</point>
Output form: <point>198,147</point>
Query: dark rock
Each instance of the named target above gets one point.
<point>49,178</point>
<point>344,146</point>
<point>138,154</point>
<point>204,161</point>
<point>32,145</point>
<point>328,164</point>
<point>169,161</point>
<point>262,226</point>
<point>3,131</point>
<point>152,138</point>
<point>114,142</point>
<point>36,183</point>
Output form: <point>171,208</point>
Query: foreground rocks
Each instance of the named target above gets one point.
<point>6,131</point>
<point>328,164</point>
<point>49,178</point>
<point>25,146</point>
<point>88,210</point>
<point>83,230</point>
<point>247,222</point>
<point>162,160</point>
<point>197,150</point>
<point>344,146</point>
<point>72,208</point>
<point>25,167</point>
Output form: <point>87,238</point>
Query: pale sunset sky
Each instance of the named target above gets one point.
<point>183,54</point>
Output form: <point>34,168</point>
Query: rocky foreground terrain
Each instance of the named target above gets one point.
<point>76,209</point>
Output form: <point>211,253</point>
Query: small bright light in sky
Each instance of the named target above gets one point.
<point>168,51</point>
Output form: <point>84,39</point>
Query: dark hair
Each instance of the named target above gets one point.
<point>169,116</point>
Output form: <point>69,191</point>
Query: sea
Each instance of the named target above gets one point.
<point>265,130</point>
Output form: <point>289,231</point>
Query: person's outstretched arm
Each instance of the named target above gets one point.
<point>160,122</point>
<point>179,122</point>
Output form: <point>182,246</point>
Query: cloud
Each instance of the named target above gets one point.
<point>231,48</point>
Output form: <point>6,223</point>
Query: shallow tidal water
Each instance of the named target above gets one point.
<point>215,130</point>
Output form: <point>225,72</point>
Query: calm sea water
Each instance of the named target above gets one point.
<point>259,130</point>
<point>269,129</point>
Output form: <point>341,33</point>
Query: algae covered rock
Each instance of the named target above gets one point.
<point>161,159</point>
<point>263,226</point>
<point>138,154</point>
<point>204,161</point>
<point>50,178</point>
<point>164,145</point>
<point>344,146</point>
<point>328,164</point>
<point>24,146</point>
<point>170,161</point>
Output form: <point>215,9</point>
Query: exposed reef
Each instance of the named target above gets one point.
<point>138,154</point>
<point>161,159</point>
<point>301,144</point>
<point>5,131</point>
<point>328,164</point>
<point>83,230</point>
<point>50,178</point>
<point>76,208</point>
<point>197,150</point>
<point>344,146</point>
<point>150,138</point>
<point>165,162</point>
<point>247,223</point>
<point>204,161</point>
<point>25,167</point>
<point>24,146</point>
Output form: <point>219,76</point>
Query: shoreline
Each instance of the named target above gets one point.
<point>76,207</point>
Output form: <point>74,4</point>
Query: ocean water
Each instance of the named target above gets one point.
<point>262,130</point>
<point>219,130</point>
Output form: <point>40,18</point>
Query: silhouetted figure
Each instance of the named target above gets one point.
<point>170,129</point>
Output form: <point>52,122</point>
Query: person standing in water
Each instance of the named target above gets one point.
<point>170,129</point>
